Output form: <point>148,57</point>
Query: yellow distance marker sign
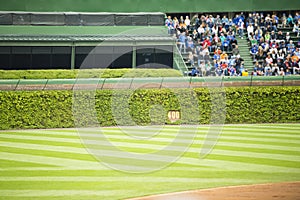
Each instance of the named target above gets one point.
<point>174,115</point>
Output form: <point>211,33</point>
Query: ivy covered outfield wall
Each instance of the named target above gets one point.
<point>55,109</point>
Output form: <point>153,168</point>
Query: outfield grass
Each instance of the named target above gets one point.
<point>54,164</point>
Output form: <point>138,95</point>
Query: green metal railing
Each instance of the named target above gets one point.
<point>178,62</point>
<point>134,83</point>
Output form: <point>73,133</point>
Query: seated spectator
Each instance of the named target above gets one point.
<point>216,56</point>
<point>296,29</point>
<point>169,23</point>
<point>214,45</point>
<point>195,35</point>
<point>214,30</point>
<point>222,37</point>
<point>233,42</point>
<point>297,52</point>
<point>235,51</point>
<point>267,36</point>
<point>260,70</point>
<point>290,21</point>
<point>268,70</point>
<point>284,20</point>
<point>223,56</point>
<point>187,22</point>
<point>253,41</point>
<point>181,20</point>
<point>273,35</point>
<point>201,31</point>
<point>280,54</point>
<point>281,72</point>
<point>265,47</point>
<point>195,21</point>
<point>225,45</point>
<point>275,21</point>
<point>295,66</point>
<point>275,70</point>
<point>282,46</point>
<point>290,47</point>
<point>294,57</point>
<point>273,48</point>
<point>287,65</point>
<point>274,56</point>
<point>287,37</point>
<point>206,57</point>
<point>203,68</point>
<point>230,37</point>
<point>191,59</point>
<point>225,22</point>
<point>218,51</point>
<point>258,31</point>
<point>190,44</point>
<point>176,22</point>
<point>269,28</point>
<point>254,52</point>
<point>195,72</point>
<point>238,64</point>
<point>260,53</point>
<point>280,37</point>
<point>206,44</point>
<point>269,59</point>
<point>245,73</point>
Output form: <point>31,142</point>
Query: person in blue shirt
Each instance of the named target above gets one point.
<point>195,72</point>
<point>290,47</point>
<point>254,51</point>
<point>182,41</point>
<point>225,45</point>
<point>216,57</point>
<point>236,20</point>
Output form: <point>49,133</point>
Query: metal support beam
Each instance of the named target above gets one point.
<point>134,56</point>
<point>73,56</point>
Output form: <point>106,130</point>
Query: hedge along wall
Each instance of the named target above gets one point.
<point>54,109</point>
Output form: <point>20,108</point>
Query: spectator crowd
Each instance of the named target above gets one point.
<point>212,49</point>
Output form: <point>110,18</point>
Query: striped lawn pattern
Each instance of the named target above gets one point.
<point>54,164</point>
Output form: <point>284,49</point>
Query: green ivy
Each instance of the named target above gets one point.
<point>56,109</point>
<point>87,73</point>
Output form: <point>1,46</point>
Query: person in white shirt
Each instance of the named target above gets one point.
<point>250,30</point>
<point>269,59</point>
<point>187,22</point>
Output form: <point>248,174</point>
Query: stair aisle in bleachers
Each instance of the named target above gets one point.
<point>244,49</point>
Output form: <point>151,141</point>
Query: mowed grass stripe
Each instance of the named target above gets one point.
<point>238,145</point>
<point>106,185</point>
<point>143,163</point>
<point>9,164</point>
<point>49,153</point>
<point>49,160</point>
<point>279,142</point>
<point>163,134</point>
<point>53,143</point>
<point>57,193</point>
<point>20,147</point>
<point>111,179</point>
